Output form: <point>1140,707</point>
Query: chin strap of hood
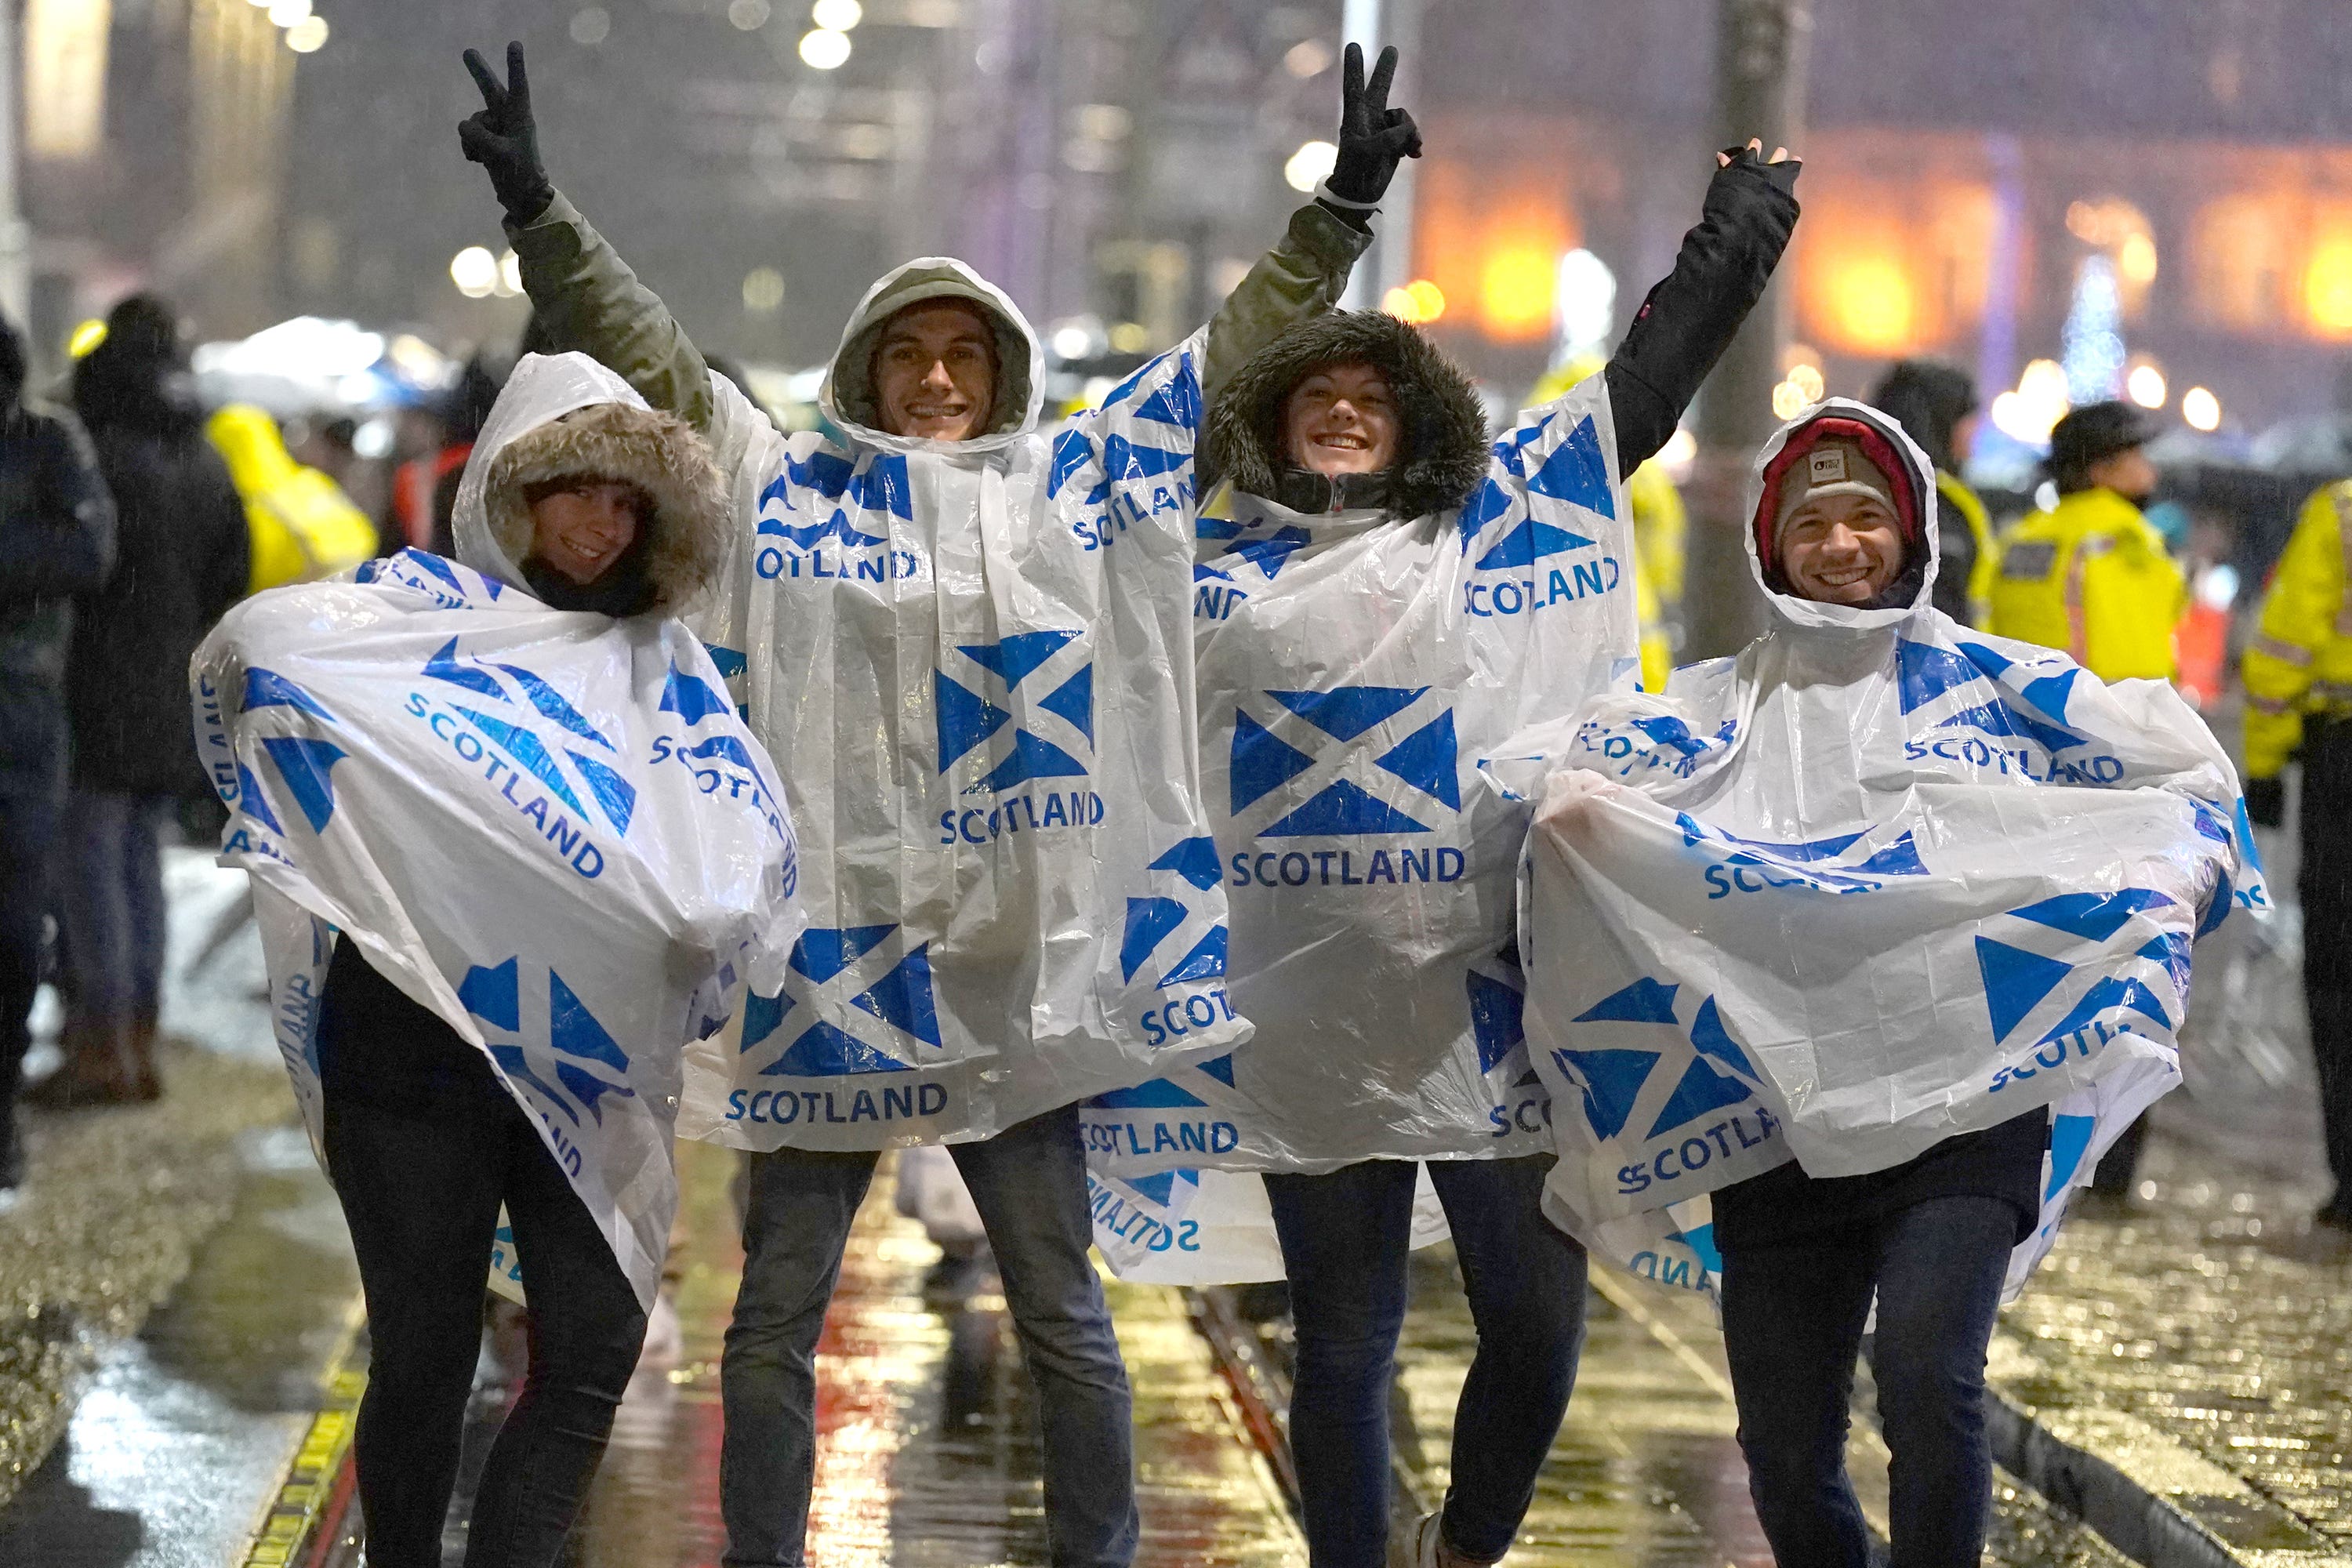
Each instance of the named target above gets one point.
<point>1441,440</point>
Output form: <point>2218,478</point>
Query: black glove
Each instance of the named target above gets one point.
<point>1373,136</point>
<point>2266,802</point>
<point>502,139</point>
<point>1780,173</point>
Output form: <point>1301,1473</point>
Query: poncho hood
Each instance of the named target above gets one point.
<point>1442,449</point>
<point>1916,584</point>
<point>565,417</point>
<point>847,396</point>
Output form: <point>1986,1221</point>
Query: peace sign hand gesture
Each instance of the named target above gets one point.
<point>503,138</point>
<point>1373,136</point>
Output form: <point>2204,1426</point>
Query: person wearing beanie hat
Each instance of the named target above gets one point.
<point>1864,744</point>
<point>1840,529</point>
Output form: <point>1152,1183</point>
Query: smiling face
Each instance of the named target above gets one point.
<point>935,371</point>
<point>580,531</point>
<point>1341,419</point>
<point>1841,548</point>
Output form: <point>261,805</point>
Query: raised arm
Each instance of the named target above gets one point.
<point>1304,275</point>
<point>583,294</point>
<point>1688,320</point>
<point>64,543</point>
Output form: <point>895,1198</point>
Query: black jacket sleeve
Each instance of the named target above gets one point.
<point>64,544</point>
<point>1688,320</point>
<point>227,560</point>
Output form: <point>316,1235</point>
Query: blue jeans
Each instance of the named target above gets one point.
<point>1029,1182</point>
<point>109,886</point>
<point>1345,1238</point>
<point>1792,1322</point>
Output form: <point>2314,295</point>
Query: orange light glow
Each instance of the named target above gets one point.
<point>1514,289</point>
<point>1870,302</point>
<point>2327,284</point>
<point>1487,242</point>
<point>1888,267</point>
<point>1415,302</point>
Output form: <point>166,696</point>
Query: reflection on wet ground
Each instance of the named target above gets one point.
<point>184,1432</point>
<point>1646,1472</point>
<point>927,1434</point>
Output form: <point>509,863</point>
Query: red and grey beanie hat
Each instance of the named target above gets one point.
<point>1833,455</point>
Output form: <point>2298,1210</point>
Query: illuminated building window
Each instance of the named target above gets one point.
<point>2327,274</point>
<point>1492,245</point>
<point>1886,268</point>
<point>65,76</point>
<point>2238,246</point>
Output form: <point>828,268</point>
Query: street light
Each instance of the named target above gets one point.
<point>836,15</point>
<point>475,271</point>
<point>824,49</point>
<point>286,12</point>
<point>2201,409</point>
<point>1310,165</point>
<point>308,36</point>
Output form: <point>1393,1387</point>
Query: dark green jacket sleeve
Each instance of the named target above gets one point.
<point>588,301</point>
<point>1299,278</point>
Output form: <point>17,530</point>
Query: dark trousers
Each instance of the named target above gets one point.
<point>421,1177</point>
<point>110,897</point>
<point>28,825</point>
<point>2325,886</point>
<point>1792,1322</point>
<point>1029,1184</point>
<point>1345,1239</point>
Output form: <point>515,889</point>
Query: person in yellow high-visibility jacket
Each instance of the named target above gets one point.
<point>303,526</point>
<point>2092,576</point>
<point>1660,523</point>
<point>2298,677</point>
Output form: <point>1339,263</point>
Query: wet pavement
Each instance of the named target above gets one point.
<point>927,1434</point>
<point>2184,1363</point>
<point>173,1285</point>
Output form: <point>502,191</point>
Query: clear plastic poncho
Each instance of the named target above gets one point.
<point>970,662</point>
<point>1876,881</point>
<point>548,827</point>
<point>1355,671</point>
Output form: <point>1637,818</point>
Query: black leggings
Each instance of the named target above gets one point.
<point>421,1161</point>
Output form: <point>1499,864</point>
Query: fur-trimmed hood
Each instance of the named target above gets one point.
<point>1442,451</point>
<point>564,417</point>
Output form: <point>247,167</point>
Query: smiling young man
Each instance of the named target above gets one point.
<point>1842,531</point>
<point>935,370</point>
<point>916,605</point>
